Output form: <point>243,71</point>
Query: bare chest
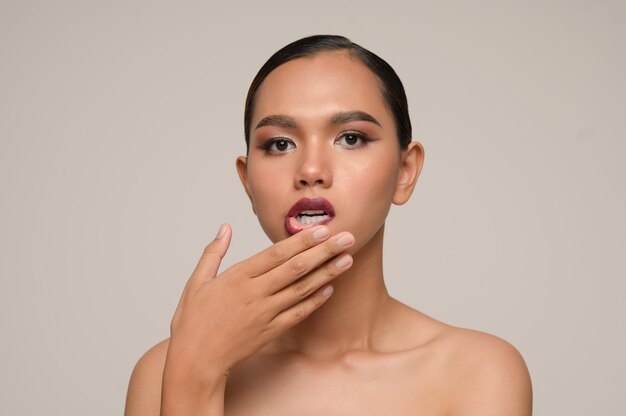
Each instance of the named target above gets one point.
<point>363,386</point>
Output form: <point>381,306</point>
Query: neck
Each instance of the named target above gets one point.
<point>353,317</point>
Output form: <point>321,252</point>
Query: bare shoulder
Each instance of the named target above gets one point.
<point>144,389</point>
<point>487,374</point>
<point>477,373</point>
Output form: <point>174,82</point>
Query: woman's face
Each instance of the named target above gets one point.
<point>323,149</point>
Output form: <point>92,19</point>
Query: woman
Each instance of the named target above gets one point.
<point>306,327</point>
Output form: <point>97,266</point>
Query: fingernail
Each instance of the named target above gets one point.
<point>321,232</point>
<point>328,290</point>
<point>344,261</point>
<point>221,232</point>
<point>345,239</point>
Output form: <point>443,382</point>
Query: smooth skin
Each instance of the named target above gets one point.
<point>262,338</point>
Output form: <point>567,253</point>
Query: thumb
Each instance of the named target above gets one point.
<point>213,254</point>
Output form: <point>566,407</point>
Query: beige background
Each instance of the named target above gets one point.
<point>120,122</point>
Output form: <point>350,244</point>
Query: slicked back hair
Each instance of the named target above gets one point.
<point>390,85</point>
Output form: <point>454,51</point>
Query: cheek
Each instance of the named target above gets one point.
<point>266,183</point>
<point>369,187</point>
<point>268,189</point>
<point>375,176</point>
<point>265,188</point>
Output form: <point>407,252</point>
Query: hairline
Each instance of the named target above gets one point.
<point>351,51</point>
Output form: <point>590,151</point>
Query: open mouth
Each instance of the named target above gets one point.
<point>308,212</point>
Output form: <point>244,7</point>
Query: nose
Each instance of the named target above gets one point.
<point>314,168</point>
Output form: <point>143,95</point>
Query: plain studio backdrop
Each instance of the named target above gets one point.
<point>120,122</point>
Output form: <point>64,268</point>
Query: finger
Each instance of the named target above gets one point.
<point>301,310</point>
<point>301,264</point>
<point>306,286</point>
<point>282,251</point>
<point>212,256</point>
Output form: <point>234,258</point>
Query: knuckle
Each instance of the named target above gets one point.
<point>265,316</point>
<point>305,239</point>
<point>209,253</point>
<point>329,249</point>
<point>300,313</point>
<point>318,300</point>
<point>277,254</point>
<point>265,334</point>
<point>209,249</point>
<point>329,270</point>
<point>302,289</point>
<point>297,267</point>
<point>270,331</point>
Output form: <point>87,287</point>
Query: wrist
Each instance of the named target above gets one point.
<point>193,379</point>
<point>179,396</point>
<point>193,370</point>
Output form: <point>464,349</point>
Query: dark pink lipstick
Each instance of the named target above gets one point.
<point>308,212</point>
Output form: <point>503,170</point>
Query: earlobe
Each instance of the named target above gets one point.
<point>242,171</point>
<point>411,163</point>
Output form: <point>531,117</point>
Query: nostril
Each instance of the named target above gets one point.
<point>306,177</point>
<point>317,181</point>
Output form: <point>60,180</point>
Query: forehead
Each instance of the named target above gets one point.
<point>320,85</point>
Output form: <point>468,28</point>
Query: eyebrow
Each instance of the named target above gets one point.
<point>278,121</point>
<point>348,116</point>
<point>281,120</point>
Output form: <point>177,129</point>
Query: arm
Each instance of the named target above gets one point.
<point>144,389</point>
<point>222,320</point>
<point>148,395</point>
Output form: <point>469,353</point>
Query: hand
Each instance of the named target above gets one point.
<point>222,320</point>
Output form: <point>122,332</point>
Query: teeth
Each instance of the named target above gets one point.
<point>305,219</point>
<point>316,212</point>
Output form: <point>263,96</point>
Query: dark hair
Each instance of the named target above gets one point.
<point>391,87</point>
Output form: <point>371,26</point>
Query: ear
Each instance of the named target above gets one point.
<point>411,162</point>
<point>242,171</point>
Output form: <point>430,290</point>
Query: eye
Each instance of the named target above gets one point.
<point>278,145</point>
<point>352,139</point>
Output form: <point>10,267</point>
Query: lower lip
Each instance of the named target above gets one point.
<point>293,226</point>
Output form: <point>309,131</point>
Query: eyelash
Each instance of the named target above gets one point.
<point>364,139</point>
<point>267,146</point>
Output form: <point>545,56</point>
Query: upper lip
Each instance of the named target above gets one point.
<point>316,203</point>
